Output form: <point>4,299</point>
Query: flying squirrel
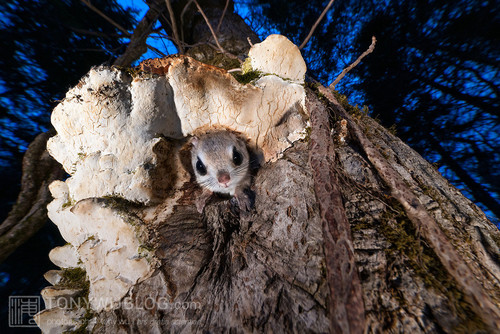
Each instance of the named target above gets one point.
<point>221,162</point>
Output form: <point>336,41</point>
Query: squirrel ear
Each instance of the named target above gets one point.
<point>194,141</point>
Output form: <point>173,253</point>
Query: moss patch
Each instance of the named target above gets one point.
<point>210,56</point>
<point>69,203</point>
<point>85,322</point>
<point>248,77</point>
<point>75,278</point>
<point>119,203</point>
<point>405,240</point>
<point>353,110</point>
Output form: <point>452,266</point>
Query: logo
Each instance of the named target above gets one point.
<point>22,309</point>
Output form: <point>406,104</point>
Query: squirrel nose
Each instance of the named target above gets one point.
<point>223,177</point>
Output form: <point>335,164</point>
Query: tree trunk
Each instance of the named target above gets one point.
<point>352,231</point>
<point>29,213</point>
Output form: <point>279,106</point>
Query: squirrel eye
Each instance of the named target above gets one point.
<point>200,167</point>
<point>237,157</point>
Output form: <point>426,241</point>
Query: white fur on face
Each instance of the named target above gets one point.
<point>215,151</point>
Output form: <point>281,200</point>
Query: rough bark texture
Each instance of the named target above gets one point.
<point>347,314</point>
<point>264,272</point>
<point>29,213</point>
<point>426,224</point>
<point>267,272</point>
<point>420,276</point>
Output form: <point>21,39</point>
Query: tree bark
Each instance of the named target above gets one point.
<point>347,313</point>
<point>427,225</point>
<point>270,271</point>
<point>29,213</point>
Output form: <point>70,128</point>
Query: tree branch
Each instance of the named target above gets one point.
<point>174,26</point>
<point>152,48</point>
<point>137,46</point>
<point>209,27</point>
<point>222,17</point>
<point>29,213</point>
<point>484,103</point>
<point>480,194</point>
<point>96,33</point>
<point>161,35</point>
<point>183,12</point>
<point>316,25</point>
<point>104,16</point>
<point>356,62</point>
<point>219,47</point>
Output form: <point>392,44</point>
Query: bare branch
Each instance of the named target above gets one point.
<point>222,17</point>
<point>249,41</point>
<point>162,35</point>
<point>185,8</point>
<point>137,45</point>
<point>209,27</point>
<point>230,55</point>
<point>182,17</point>
<point>174,26</point>
<point>356,62</point>
<point>29,213</point>
<point>97,33</point>
<point>152,48</point>
<point>104,16</point>
<point>220,48</point>
<point>316,24</point>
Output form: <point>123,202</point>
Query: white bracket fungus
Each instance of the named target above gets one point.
<point>112,138</point>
